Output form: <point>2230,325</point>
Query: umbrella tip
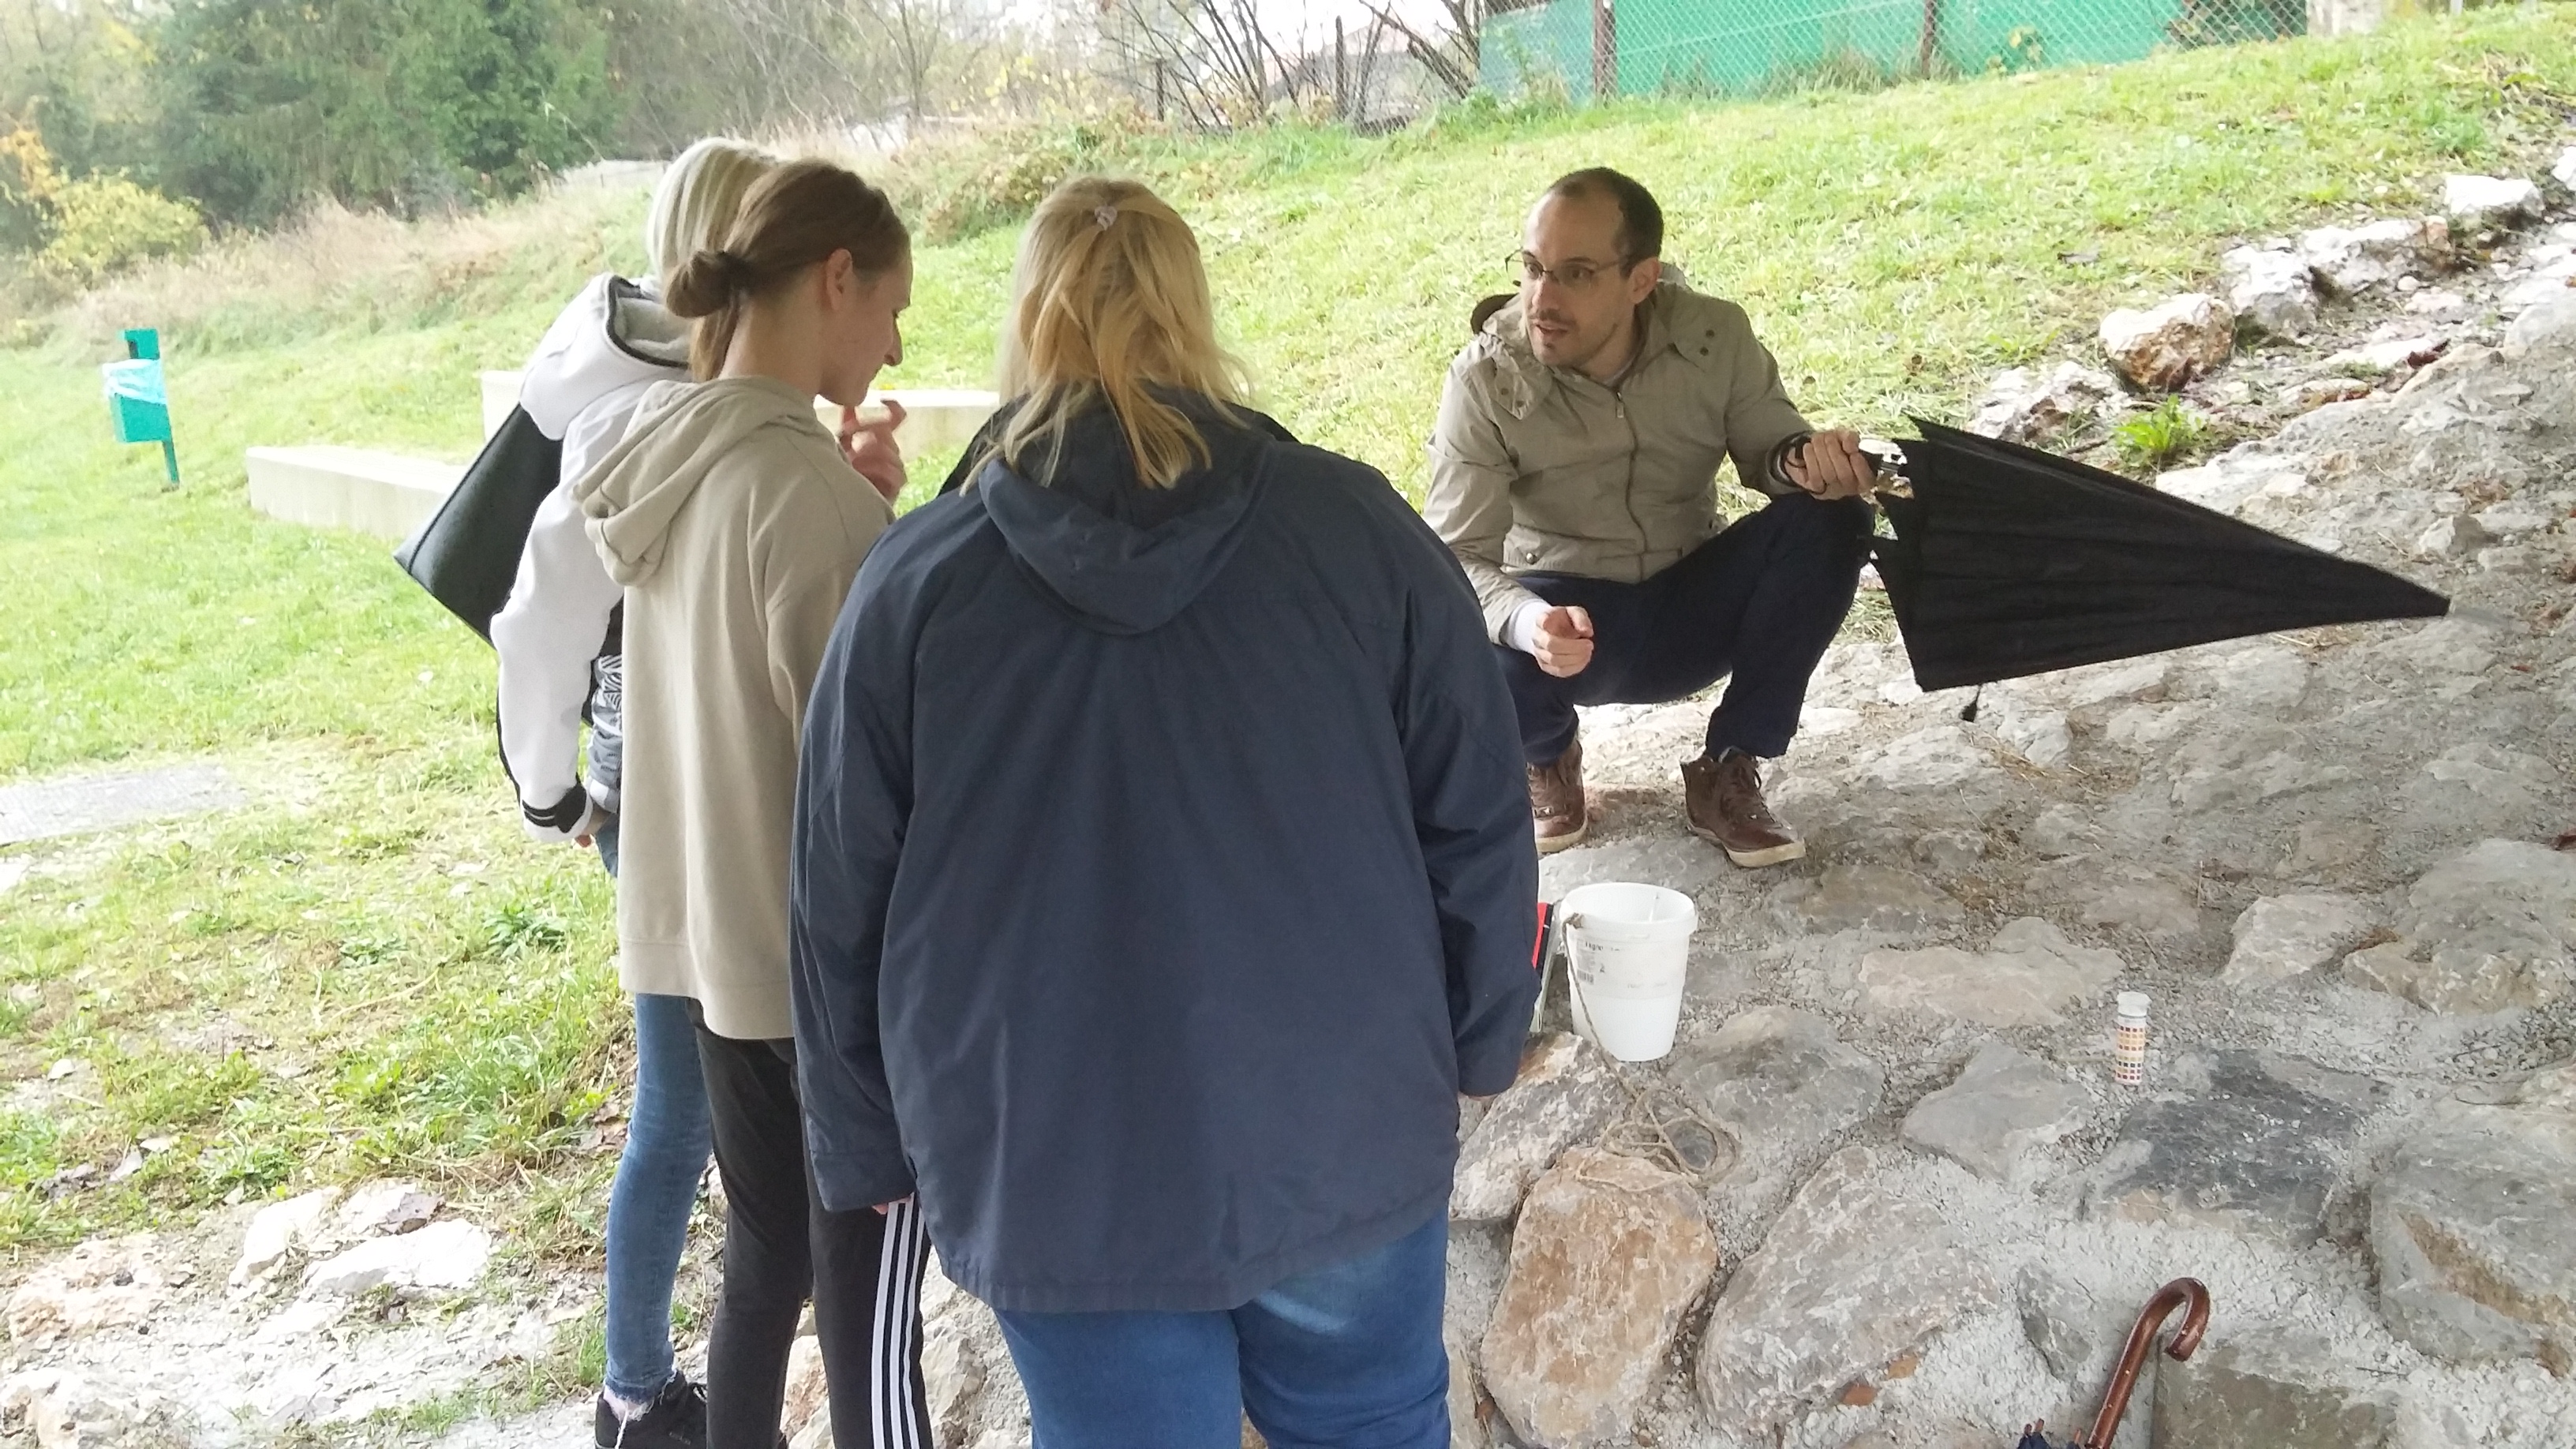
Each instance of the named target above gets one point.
<point>1969,715</point>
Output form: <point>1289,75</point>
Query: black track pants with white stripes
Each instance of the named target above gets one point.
<point>862,1268</point>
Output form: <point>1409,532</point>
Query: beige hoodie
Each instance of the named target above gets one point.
<point>735,526</point>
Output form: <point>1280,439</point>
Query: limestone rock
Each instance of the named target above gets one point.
<point>1940,758</point>
<point>2228,481</point>
<point>2322,846</point>
<point>1610,1250</point>
<point>2319,392</point>
<point>379,1208</point>
<point>2060,831</point>
<point>446,1255</point>
<point>2488,929</point>
<point>2477,789</point>
<point>2455,983</point>
<point>1466,1426</point>
<point>1780,1081</point>
<point>100,1284</point>
<point>2163,348</point>
<point>2272,290</point>
<point>2121,893</point>
<point>2266,1391</point>
<point>2250,1142</point>
<point>806,1397</point>
<point>2004,1108</point>
<point>2563,171</point>
<point>2378,359</point>
<point>1852,1277</point>
<point>952,1373</point>
<point>2470,1228</point>
<point>2279,937</point>
<point>1564,1095</point>
<point>2454,536</point>
<point>2487,203</point>
<point>2356,259</point>
<point>62,1409</point>
<point>2026,979</point>
<point>1867,897</point>
<point>278,1229</point>
<point>2039,736</point>
<point>2020,408</point>
<point>2073,1330</point>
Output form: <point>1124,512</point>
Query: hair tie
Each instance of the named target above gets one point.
<point>734,268</point>
<point>1105,215</point>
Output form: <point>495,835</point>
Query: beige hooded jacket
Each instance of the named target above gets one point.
<point>735,526</point>
<point>1541,469</point>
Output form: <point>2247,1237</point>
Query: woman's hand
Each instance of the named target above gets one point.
<point>871,450</point>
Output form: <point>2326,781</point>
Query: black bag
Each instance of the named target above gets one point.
<point>467,554</point>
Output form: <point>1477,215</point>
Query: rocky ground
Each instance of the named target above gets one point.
<point>1884,1193</point>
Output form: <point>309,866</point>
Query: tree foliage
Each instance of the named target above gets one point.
<point>396,103</point>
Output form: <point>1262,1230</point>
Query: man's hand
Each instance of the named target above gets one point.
<point>886,1207</point>
<point>1831,465</point>
<point>870,448</point>
<point>1564,643</point>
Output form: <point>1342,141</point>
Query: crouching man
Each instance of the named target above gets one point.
<point>1574,473</point>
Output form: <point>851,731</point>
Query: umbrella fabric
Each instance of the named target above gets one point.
<point>2009,561</point>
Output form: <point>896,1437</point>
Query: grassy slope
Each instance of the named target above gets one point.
<point>379,922</point>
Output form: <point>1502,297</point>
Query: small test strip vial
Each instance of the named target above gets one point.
<point>2129,1040</point>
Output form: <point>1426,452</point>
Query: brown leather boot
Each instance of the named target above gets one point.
<point>1557,810</point>
<point>1725,801</point>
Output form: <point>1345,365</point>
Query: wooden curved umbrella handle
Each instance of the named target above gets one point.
<point>2115,1399</point>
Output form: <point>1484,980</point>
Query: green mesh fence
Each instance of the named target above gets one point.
<point>1763,47</point>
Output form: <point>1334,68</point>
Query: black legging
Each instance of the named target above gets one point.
<point>862,1268</point>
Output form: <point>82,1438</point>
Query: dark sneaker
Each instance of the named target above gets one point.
<point>1724,796</point>
<point>1557,810</point>
<point>676,1419</point>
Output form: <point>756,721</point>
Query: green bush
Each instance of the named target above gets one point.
<point>104,224</point>
<point>994,176</point>
<point>2152,439</point>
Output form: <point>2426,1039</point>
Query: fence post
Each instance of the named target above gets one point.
<point>1158,93</point>
<point>1930,49</point>
<point>1605,52</point>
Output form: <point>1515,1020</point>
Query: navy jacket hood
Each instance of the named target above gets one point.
<point>1121,558</point>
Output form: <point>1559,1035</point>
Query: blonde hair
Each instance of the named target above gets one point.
<point>795,217</point>
<point>696,200</point>
<point>1108,302</point>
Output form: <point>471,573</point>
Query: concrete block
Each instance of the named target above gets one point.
<point>326,486</point>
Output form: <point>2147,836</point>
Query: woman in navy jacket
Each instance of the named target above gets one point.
<point>1163,874</point>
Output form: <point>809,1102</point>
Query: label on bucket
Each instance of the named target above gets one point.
<point>1625,969</point>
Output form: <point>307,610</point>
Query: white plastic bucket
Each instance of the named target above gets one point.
<point>1627,951</point>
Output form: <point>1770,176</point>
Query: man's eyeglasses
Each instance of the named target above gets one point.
<point>1574,275</point>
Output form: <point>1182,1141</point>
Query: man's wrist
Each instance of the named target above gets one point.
<point>1780,456</point>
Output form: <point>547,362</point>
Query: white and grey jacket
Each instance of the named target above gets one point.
<point>557,635</point>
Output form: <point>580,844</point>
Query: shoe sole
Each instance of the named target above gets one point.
<point>1755,859</point>
<point>1551,844</point>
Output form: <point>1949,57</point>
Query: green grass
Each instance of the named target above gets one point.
<point>369,970</point>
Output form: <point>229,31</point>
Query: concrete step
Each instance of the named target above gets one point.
<point>935,418</point>
<point>326,486</point>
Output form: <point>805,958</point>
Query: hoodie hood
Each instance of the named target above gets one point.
<point>682,430</point>
<point>1120,557</point>
<point>614,334</point>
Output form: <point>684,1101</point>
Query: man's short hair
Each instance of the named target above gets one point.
<point>1641,221</point>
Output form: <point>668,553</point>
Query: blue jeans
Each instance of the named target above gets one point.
<point>1344,1357</point>
<point>668,1137</point>
<point>1760,602</point>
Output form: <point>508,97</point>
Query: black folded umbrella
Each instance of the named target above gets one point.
<point>2009,561</point>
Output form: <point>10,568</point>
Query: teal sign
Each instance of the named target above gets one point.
<point>138,400</point>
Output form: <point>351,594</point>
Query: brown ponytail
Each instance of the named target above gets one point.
<point>791,219</point>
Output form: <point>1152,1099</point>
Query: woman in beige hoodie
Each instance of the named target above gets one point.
<point>735,521</point>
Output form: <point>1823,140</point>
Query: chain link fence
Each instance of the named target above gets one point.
<point>1587,48</point>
